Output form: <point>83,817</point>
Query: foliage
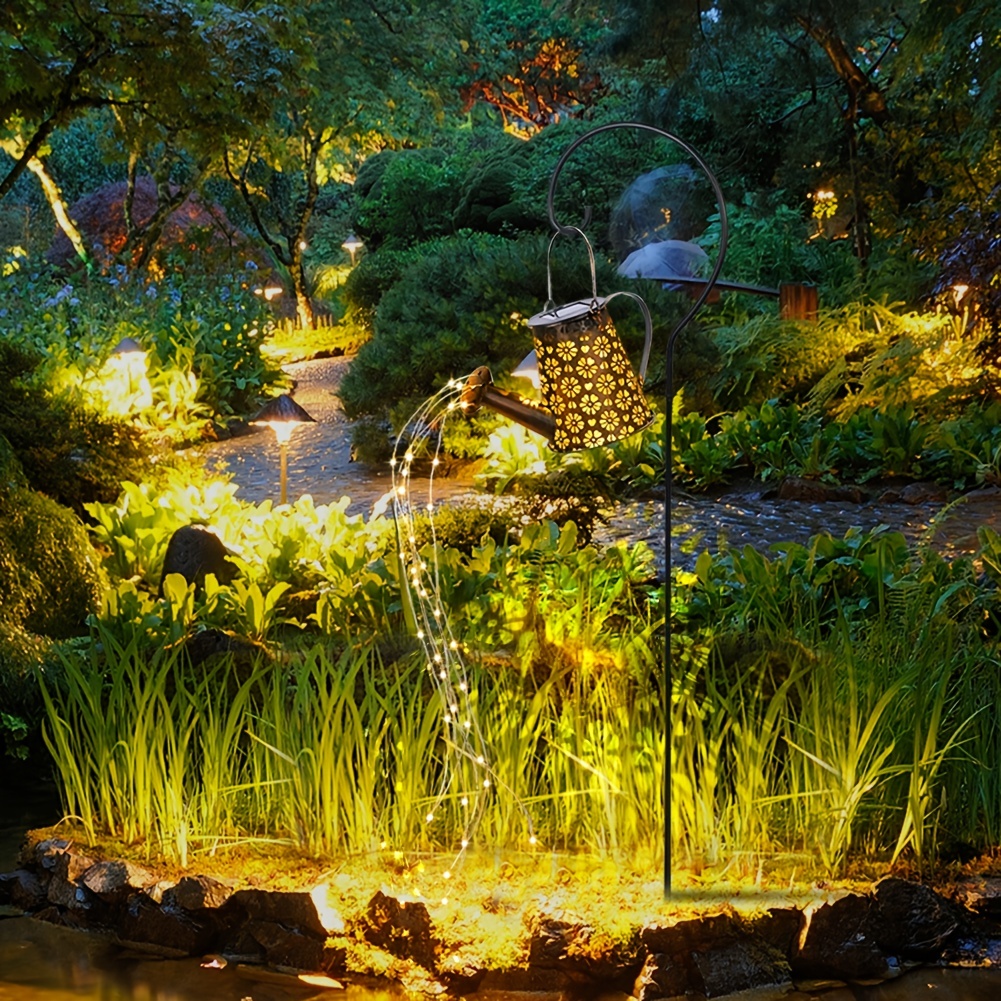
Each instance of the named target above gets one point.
<point>319,132</point>
<point>531,64</point>
<point>970,279</point>
<point>774,247</point>
<point>203,337</point>
<point>458,305</point>
<point>49,574</point>
<point>65,450</point>
<point>209,79</point>
<point>403,198</point>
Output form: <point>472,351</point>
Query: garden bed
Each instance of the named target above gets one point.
<point>527,922</point>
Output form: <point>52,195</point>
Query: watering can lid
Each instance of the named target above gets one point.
<point>571,311</point>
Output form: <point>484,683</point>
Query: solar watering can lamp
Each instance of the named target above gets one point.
<point>590,394</point>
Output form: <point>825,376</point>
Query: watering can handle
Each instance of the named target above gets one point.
<point>566,230</point>
<point>648,322</point>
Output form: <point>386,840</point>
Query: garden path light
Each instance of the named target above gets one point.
<point>352,245</point>
<point>283,415</point>
<point>128,385</point>
<point>590,395</point>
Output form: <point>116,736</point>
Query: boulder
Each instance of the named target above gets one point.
<point>714,955</point>
<point>912,920</point>
<point>294,910</point>
<point>197,893</point>
<point>567,947</point>
<point>839,941</point>
<point>403,930</point>
<point>193,552</point>
<point>113,881</point>
<point>22,889</point>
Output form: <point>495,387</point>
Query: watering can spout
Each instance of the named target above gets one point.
<point>480,391</point>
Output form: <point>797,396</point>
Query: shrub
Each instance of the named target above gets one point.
<point>49,572</point>
<point>404,197</point>
<point>464,527</point>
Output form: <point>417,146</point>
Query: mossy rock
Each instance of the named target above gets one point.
<point>49,572</point>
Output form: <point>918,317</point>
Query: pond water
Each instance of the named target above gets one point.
<point>40,962</point>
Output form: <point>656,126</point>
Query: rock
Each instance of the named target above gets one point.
<point>739,965</point>
<point>912,920</point>
<point>46,852</point>
<point>172,932</point>
<point>22,889</point>
<point>838,940</point>
<point>403,930</point>
<point>193,552</point>
<point>567,947</point>
<point>796,488</point>
<point>197,893</point>
<point>283,947</point>
<point>64,888</point>
<point>295,911</point>
<point>113,881</point>
<point>714,955</point>
<point>779,928</point>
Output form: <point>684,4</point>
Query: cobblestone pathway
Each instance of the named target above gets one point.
<point>319,455</point>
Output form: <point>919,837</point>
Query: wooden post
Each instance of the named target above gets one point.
<point>798,302</point>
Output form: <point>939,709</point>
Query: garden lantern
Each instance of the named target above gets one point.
<point>352,245</point>
<point>591,396</point>
<point>283,415</point>
<point>127,386</point>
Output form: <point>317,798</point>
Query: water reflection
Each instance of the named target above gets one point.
<point>40,962</point>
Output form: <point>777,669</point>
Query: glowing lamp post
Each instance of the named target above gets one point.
<point>352,245</point>
<point>128,387</point>
<point>590,395</point>
<point>283,415</point>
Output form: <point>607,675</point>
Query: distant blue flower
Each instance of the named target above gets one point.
<point>151,292</point>
<point>250,266</point>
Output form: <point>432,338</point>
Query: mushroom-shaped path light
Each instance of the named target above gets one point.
<point>283,415</point>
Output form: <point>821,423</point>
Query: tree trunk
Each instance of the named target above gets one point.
<point>53,196</point>
<point>303,300</point>
<point>864,95</point>
<point>58,205</point>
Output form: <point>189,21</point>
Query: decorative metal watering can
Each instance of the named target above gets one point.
<point>590,394</point>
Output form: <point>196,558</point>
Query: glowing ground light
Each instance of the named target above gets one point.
<point>442,651</point>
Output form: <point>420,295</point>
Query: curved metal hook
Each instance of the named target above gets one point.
<point>693,153</point>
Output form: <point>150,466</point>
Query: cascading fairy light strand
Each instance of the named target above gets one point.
<point>420,583</point>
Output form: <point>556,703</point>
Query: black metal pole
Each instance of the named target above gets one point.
<point>668,476</point>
